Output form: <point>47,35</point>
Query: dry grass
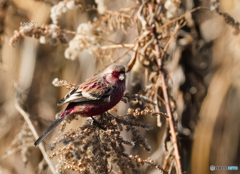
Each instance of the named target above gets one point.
<point>183,79</point>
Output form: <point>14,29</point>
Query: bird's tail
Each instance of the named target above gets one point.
<point>49,129</point>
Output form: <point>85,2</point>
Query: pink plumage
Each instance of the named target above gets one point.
<point>93,97</point>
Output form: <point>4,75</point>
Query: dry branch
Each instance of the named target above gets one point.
<point>33,130</point>
<point>162,76</point>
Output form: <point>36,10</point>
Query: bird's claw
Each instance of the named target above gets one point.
<point>98,124</point>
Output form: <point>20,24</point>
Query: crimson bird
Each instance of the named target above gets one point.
<point>93,97</point>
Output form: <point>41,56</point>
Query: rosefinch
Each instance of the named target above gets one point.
<point>93,97</point>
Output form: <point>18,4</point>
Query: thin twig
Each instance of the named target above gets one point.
<point>144,34</point>
<point>165,93</point>
<point>177,27</point>
<point>162,114</point>
<point>170,167</point>
<point>183,16</point>
<point>95,36</point>
<point>116,46</point>
<point>167,157</point>
<point>91,8</point>
<point>34,132</point>
<point>117,59</point>
<point>140,17</point>
<point>170,120</point>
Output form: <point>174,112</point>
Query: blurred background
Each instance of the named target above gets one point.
<point>205,84</point>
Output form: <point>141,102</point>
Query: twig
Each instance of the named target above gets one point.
<point>183,16</point>
<point>167,156</point>
<point>144,34</point>
<point>170,120</point>
<point>177,27</point>
<point>231,21</point>
<point>95,36</point>
<point>91,8</point>
<point>162,114</point>
<point>117,59</point>
<point>165,92</point>
<point>140,17</point>
<point>170,168</point>
<point>114,172</point>
<point>117,46</point>
<point>34,132</point>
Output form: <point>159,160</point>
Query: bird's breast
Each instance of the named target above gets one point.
<point>101,106</point>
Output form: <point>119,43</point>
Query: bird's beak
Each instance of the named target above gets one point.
<point>121,77</point>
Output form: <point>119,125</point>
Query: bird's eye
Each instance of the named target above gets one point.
<point>113,73</point>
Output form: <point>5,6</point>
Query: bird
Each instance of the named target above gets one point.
<point>95,96</point>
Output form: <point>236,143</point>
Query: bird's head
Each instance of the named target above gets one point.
<point>115,74</point>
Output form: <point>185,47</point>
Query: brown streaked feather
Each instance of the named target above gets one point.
<point>92,89</point>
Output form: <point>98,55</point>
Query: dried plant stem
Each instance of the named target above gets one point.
<point>91,8</point>
<point>95,36</point>
<point>114,172</point>
<point>171,124</point>
<point>34,132</point>
<point>117,59</point>
<point>183,16</point>
<point>177,27</point>
<point>144,34</point>
<point>159,57</point>
<point>170,168</point>
<point>167,157</point>
<point>117,46</point>
<point>166,98</point>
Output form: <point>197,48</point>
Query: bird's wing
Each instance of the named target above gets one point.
<point>93,89</point>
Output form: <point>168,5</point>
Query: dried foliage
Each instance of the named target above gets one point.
<point>231,21</point>
<point>46,34</point>
<point>168,59</point>
<point>22,142</point>
<point>110,21</point>
<point>89,149</point>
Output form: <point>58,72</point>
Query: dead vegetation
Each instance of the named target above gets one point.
<point>172,62</point>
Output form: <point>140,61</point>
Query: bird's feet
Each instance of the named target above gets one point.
<point>98,124</point>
